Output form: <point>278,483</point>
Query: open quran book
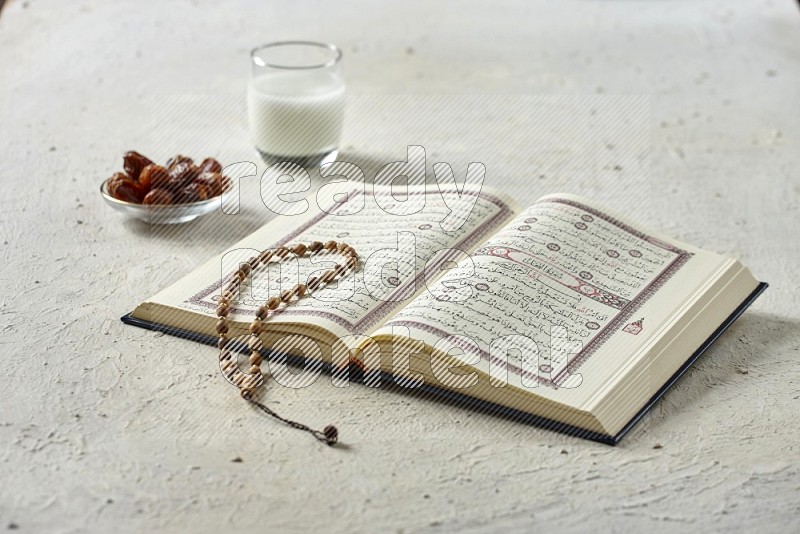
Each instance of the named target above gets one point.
<point>562,312</point>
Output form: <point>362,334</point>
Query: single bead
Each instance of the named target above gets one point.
<point>328,277</point>
<point>331,435</point>
<point>281,251</point>
<point>253,381</point>
<point>313,283</point>
<point>256,358</point>
<point>340,269</point>
<point>238,379</point>
<point>262,311</point>
<point>222,311</point>
<point>254,369</point>
<point>286,296</point>
<point>232,286</point>
<point>222,326</point>
<point>255,343</point>
<point>222,342</point>
<point>300,290</point>
<point>315,246</point>
<point>247,393</point>
<point>352,262</point>
<point>330,245</point>
<point>225,355</point>
<point>256,326</point>
<point>227,296</point>
<point>246,268</point>
<point>341,247</point>
<point>299,249</point>
<point>253,262</point>
<point>265,256</point>
<point>273,303</point>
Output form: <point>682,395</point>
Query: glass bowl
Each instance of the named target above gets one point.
<point>163,213</point>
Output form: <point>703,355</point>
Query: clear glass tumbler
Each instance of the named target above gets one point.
<point>295,102</point>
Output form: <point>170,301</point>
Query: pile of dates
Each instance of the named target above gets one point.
<point>178,182</point>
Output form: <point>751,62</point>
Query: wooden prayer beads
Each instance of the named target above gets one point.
<point>253,379</point>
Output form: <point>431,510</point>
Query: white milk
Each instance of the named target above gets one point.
<point>296,113</point>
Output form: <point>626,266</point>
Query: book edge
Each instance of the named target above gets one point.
<point>760,288</point>
<point>497,409</point>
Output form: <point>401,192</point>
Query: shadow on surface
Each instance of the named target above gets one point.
<point>756,340</point>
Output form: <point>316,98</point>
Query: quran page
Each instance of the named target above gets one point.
<point>400,250</point>
<point>563,301</point>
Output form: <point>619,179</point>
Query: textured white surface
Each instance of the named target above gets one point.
<point>106,427</point>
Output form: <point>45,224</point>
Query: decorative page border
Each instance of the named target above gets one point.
<point>610,329</point>
<point>374,316</point>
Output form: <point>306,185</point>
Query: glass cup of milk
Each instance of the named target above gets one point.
<point>295,102</point>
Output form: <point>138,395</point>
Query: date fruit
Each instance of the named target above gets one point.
<point>133,163</point>
<point>212,181</point>
<point>210,165</point>
<point>179,181</point>
<point>194,192</point>
<point>181,175</point>
<point>158,196</point>
<point>154,176</point>
<point>177,160</point>
<point>121,187</point>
